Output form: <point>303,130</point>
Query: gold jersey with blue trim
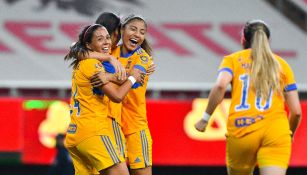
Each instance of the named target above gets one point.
<point>134,116</point>
<point>114,109</point>
<point>249,112</point>
<point>89,106</point>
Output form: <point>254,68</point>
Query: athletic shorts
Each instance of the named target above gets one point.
<point>139,148</point>
<point>267,146</point>
<point>94,154</point>
<point>119,138</point>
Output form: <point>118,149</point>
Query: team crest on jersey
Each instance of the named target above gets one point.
<point>144,59</point>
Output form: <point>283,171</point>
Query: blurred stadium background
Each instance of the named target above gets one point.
<point>189,40</point>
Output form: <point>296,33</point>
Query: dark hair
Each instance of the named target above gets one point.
<point>110,21</point>
<point>145,45</point>
<point>79,48</point>
<point>249,30</point>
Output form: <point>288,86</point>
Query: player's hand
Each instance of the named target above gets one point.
<point>119,68</point>
<point>151,69</point>
<point>201,125</point>
<point>99,79</point>
<point>138,75</point>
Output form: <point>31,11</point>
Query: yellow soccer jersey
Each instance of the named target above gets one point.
<point>88,105</point>
<point>134,117</point>
<point>247,111</point>
<point>114,109</point>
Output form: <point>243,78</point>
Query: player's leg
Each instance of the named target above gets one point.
<point>119,138</point>
<point>273,171</point>
<point>234,171</point>
<point>139,146</point>
<point>81,164</point>
<point>274,155</point>
<point>141,171</point>
<point>118,169</point>
<point>102,153</point>
<point>241,153</point>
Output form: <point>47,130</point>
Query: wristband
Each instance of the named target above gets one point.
<point>132,79</point>
<point>206,117</point>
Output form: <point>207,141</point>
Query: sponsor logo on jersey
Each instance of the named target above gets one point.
<point>72,128</point>
<point>246,121</point>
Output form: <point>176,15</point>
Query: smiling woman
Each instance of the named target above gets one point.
<point>134,29</point>
<point>89,139</point>
<point>135,52</point>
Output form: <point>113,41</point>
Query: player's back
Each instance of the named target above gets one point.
<point>247,110</point>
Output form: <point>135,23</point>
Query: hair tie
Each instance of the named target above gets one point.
<point>88,30</point>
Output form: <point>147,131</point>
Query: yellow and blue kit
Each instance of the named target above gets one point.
<point>89,139</point>
<point>114,112</point>
<point>134,117</point>
<point>251,117</point>
<point>88,105</point>
<point>247,111</point>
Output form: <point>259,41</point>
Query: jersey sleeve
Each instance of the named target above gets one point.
<point>288,78</point>
<point>91,66</point>
<point>143,62</point>
<point>226,65</point>
<point>109,68</point>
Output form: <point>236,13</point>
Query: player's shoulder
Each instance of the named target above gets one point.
<point>141,52</point>
<point>116,51</point>
<point>280,59</point>
<point>240,53</point>
<point>143,55</point>
<point>90,63</point>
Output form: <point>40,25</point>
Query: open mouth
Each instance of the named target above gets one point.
<point>105,49</point>
<point>133,42</point>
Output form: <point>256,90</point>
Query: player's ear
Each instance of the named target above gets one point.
<point>87,45</point>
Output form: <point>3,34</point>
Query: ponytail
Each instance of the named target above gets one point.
<point>77,50</point>
<point>265,71</point>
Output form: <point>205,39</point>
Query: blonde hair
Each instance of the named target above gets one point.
<point>265,69</point>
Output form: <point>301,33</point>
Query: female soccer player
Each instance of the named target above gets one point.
<point>89,139</point>
<point>135,52</point>
<point>258,127</point>
<point>113,25</point>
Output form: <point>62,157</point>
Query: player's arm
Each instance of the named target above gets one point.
<point>292,98</point>
<point>295,112</point>
<point>215,98</point>
<point>119,68</point>
<point>117,94</point>
<point>99,79</point>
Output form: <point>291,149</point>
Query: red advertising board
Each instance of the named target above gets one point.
<point>11,125</point>
<point>175,141</point>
